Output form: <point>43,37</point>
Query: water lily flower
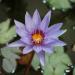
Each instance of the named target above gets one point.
<point>37,36</point>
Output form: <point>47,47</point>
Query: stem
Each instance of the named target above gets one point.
<point>28,66</point>
<point>30,55</point>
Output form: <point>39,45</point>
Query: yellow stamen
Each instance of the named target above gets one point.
<point>37,38</point>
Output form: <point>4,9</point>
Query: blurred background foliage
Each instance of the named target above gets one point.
<point>62,11</point>
<point>60,4</point>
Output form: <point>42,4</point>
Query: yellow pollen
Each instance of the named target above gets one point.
<point>37,38</point>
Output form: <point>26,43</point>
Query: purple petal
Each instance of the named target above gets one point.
<point>55,27</point>
<point>41,56</point>
<point>36,17</point>
<point>48,48</point>
<point>48,40</point>
<point>54,34</point>
<point>37,49</point>
<point>20,28</point>
<point>30,26</point>
<point>26,40</point>
<point>16,44</point>
<point>27,49</point>
<point>45,21</point>
<point>57,43</point>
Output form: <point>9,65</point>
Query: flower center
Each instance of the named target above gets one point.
<point>37,38</point>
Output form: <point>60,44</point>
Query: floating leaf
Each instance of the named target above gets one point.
<point>65,59</point>
<point>7,36</point>
<point>9,65</point>
<point>4,26</point>
<point>60,4</point>
<point>60,69</point>
<point>74,72</point>
<point>57,59</point>
<point>59,49</point>
<point>48,70</point>
<point>56,63</point>
<point>15,50</point>
<point>10,53</point>
<point>6,33</point>
<point>72,0</point>
<point>35,62</point>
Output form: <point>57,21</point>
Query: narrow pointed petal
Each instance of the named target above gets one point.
<point>41,56</point>
<point>59,33</point>
<point>16,44</point>
<point>55,34</point>
<point>26,40</point>
<point>27,49</point>
<point>48,40</point>
<point>55,27</point>
<point>58,43</point>
<point>45,22</point>
<point>36,17</point>
<point>28,18</point>
<point>20,28</point>
<point>48,49</point>
<point>30,26</point>
<point>37,49</point>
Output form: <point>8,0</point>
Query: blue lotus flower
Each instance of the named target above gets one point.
<point>37,36</point>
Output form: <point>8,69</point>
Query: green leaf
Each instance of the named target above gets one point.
<point>48,70</point>
<point>4,26</point>
<point>59,49</point>
<point>10,53</point>
<point>56,63</point>
<point>65,59</point>
<point>74,72</point>
<point>60,4</point>
<point>54,60</point>
<point>15,50</point>
<point>35,62</point>
<point>9,65</point>
<point>72,0</point>
<point>60,69</point>
<point>57,59</point>
<point>6,33</point>
<point>47,58</point>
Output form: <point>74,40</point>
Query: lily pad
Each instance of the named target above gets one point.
<point>35,62</point>
<point>9,65</point>
<point>60,4</point>
<point>6,33</point>
<point>10,53</point>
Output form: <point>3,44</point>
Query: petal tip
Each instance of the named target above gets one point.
<point>15,21</point>
<point>27,14</point>
<point>64,31</point>
<point>49,13</point>
<point>36,10</point>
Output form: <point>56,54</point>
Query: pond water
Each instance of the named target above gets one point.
<point>16,9</point>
